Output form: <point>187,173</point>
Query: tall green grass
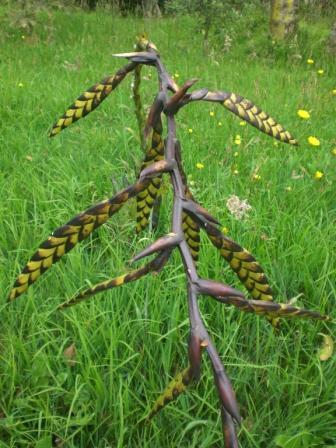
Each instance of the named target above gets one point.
<point>130,341</point>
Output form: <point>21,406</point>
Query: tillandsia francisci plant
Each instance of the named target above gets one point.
<point>188,219</point>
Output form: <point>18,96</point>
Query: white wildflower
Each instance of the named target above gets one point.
<point>239,208</point>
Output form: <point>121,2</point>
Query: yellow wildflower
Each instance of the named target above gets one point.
<point>199,165</point>
<point>190,131</point>
<point>320,71</point>
<point>318,175</point>
<point>275,143</point>
<point>237,140</point>
<point>225,230</point>
<point>303,114</point>
<point>23,37</point>
<point>176,75</point>
<point>235,172</point>
<point>242,123</point>
<point>333,151</point>
<point>219,123</point>
<point>313,141</point>
<point>333,91</point>
<point>212,113</point>
<point>20,84</point>
<point>256,177</point>
<point>288,188</point>
<point>236,154</point>
<point>310,61</point>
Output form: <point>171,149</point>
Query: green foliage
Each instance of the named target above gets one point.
<point>244,26</point>
<point>300,440</point>
<point>28,18</point>
<point>315,8</point>
<point>212,15</point>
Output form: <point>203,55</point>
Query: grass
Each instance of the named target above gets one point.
<point>130,341</point>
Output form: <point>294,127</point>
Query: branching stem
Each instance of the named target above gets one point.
<point>188,218</point>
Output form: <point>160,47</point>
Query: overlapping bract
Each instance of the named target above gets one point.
<point>190,227</point>
<point>174,389</point>
<point>153,266</point>
<point>248,111</point>
<point>146,199</point>
<point>191,230</point>
<point>65,238</point>
<point>90,99</point>
<point>272,310</point>
<point>248,270</point>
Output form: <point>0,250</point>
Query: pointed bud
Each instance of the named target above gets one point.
<point>154,114</point>
<point>229,431</point>
<point>227,395</point>
<point>173,103</point>
<point>195,347</point>
<point>218,290</point>
<point>141,57</point>
<point>172,86</point>
<point>168,241</point>
<point>198,95</point>
<point>199,212</point>
<point>216,96</point>
<point>156,168</point>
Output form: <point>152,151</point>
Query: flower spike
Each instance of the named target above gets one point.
<point>248,270</point>
<point>155,265</point>
<point>90,99</point>
<point>154,153</point>
<point>249,112</point>
<point>65,238</point>
<point>174,389</point>
<point>190,226</point>
<point>270,309</point>
<point>199,212</point>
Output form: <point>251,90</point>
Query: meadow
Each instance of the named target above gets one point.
<point>130,341</point>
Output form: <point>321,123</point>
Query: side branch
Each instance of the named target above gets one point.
<point>248,270</point>
<point>252,114</point>
<point>65,238</point>
<point>154,266</point>
<point>150,199</point>
<point>270,309</point>
<point>91,99</point>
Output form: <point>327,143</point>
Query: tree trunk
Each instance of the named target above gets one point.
<point>284,18</point>
<point>151,8</point>
<point>332,39</point>
<point>91,4</point>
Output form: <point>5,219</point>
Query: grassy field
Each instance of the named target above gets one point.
<point>131,341</point>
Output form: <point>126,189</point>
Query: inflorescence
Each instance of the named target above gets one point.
<point>163,156</point>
